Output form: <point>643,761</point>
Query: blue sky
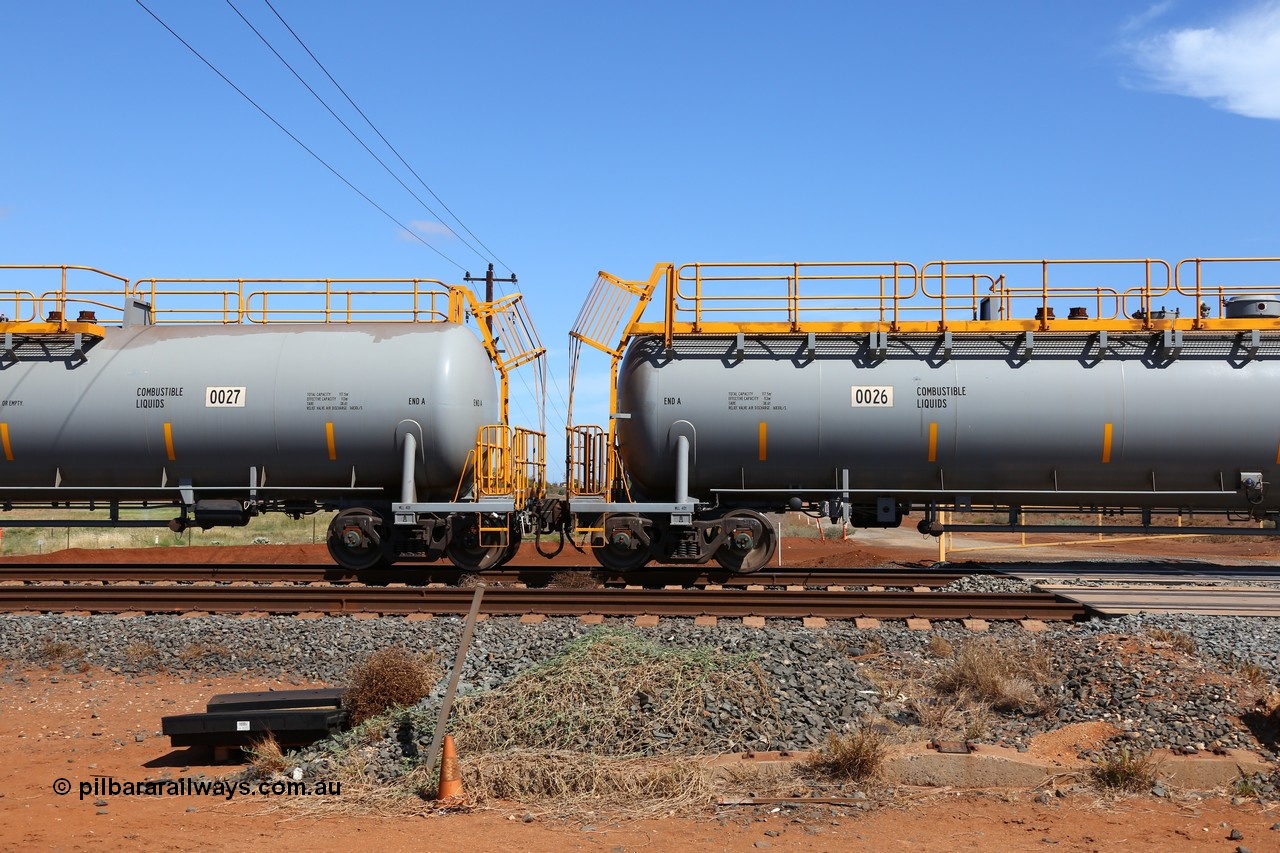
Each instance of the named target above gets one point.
<point>577,136</point>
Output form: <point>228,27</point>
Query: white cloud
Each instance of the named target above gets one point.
<point>1140,20</point>
<point>1234,64</point>
<point>425,228</point>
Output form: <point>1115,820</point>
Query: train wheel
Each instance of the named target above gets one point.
<point>465,550</point>
<point>746,550</point>
<point>358,540</point>
<point>618,553</point>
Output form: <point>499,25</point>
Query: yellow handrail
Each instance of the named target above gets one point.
<point>1200,290</point>
<point>530,466</point>
<point>296,300</point>
<point>38,302</point>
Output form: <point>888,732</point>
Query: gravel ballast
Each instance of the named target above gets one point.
<point>825,680</point>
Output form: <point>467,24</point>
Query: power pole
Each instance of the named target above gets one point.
<point>488,289</point>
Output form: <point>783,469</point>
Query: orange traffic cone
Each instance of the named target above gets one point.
<point>450,775</point>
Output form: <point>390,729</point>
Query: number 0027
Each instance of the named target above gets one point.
<point>224,398</point>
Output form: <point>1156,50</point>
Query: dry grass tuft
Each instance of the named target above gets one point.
<point>576,781</point>
<point>195,652</point>
<point>950,717</point>
<point>939,646</point>
<point>266,758</point>
<point>391,678</point>
<point>1004,678</point>
<point>571,579</point>
<point>615,693</point>
<point>1125,772</point>
<point>854,757</point>
<point>1177,640</point>
<point>761,779</point>
<point>56,650</point>
<point>141,651</point>
<point>1253,675</point>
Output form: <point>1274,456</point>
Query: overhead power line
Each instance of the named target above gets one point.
<point>385,141</point>
<point>303,145</point>
<point>347,127</point>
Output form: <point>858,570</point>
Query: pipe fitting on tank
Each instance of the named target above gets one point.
<point>1251,484</point>
<point>930,527</point>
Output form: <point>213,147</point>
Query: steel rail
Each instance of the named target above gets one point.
<point>500,601</point>
<point>411,574</point>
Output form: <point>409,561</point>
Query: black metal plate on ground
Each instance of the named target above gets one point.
<point>291,727</point>
<point>265,700</point>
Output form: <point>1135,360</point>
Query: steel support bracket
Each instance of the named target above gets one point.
<point>1100,341</point>
<point>878,343</point>
<point>1251,347</point>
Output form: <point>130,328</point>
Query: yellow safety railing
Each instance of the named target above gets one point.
<point>594,466</point>
<point>530,465</point>
<point>1219,280</point>
<point>44,306</point>
<point>610,301</point>
<point>296,300</point>
<point>782,298</point>
<point>1019,291</point>
<point>494,464</point>
<point>508,462</point>
<point>1076,295</point>
<point>512,342</point>
<point>613,304</point>
<point>588,463</point>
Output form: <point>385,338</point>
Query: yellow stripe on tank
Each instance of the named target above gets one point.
<point>4,439</point>
<point>1106,443</point>
<point>328,435</point>
<point>168,441</point>
<point>764,441</point>
<point>933,442</point>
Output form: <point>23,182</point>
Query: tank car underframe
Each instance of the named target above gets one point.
<point>937,519</point>
<point>473,536</point>
<point>626,536</point>
<point>733,532</point>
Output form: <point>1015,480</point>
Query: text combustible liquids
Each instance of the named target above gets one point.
<point>935,396</point>
<point>152,397</point>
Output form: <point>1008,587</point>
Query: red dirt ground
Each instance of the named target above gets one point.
<point>55,725</point>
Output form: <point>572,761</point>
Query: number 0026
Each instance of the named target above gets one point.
<point>872,395</point>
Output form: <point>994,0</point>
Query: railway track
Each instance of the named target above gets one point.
<point>550,602</point>
<point>11,573</point>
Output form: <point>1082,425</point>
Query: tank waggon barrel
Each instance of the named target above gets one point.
<point>867,392</point>
<point>371,398</point>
